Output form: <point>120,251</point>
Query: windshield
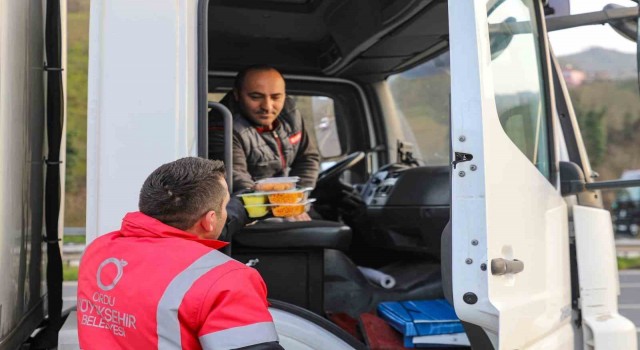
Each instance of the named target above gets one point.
<point>421,98</point>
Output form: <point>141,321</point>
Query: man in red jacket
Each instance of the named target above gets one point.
<point>160,283</point>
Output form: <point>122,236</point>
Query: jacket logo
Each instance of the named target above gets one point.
<point>295,138</point>
<point>120,264</point>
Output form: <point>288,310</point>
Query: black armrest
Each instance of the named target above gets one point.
<point>306,234</point>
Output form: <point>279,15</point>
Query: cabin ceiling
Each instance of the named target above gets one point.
<point>364,40</point>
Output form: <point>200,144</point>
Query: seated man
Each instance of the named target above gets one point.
<point>269,137</point>
<point>160,282</point>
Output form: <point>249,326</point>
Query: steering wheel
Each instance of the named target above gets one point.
<point>329,175</point>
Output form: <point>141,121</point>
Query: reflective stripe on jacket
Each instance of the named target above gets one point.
<point>152,286</point>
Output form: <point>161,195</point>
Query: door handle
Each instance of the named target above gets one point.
<point>501,266</point>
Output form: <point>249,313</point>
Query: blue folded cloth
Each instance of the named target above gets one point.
<point>420,318</point>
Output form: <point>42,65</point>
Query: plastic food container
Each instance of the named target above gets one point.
<point>253,198</point>
<point>279,210</point>
<point>257,210</point>
<point>277,184</point>
<point>286,210</point>
<point>289,197</point>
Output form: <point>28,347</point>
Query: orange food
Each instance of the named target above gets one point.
<point>286,198</point>
<point>287,210</point>
<point>283,186</point>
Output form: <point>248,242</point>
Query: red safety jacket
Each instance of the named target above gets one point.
<point>152,286</point>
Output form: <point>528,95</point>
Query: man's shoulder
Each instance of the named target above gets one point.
<point>233,265</point>
<point>233,273</point>
<point>102,240</point>
<point>240,124</point>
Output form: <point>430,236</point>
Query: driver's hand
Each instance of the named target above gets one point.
<point>301,217</point>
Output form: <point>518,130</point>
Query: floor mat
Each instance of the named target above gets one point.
<point>346,322</point>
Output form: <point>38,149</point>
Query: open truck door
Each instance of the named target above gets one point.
<point>510,255</point>
<point>511,251</point>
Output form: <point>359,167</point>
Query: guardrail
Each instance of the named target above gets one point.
<point>71,252</point>
<point>628,248</point>
<point>74,231</point>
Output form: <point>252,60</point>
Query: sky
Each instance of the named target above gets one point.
<point>574,40</point>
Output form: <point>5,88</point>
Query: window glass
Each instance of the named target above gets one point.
<point>216,96</point>
<point>518,79</point>
<point>319,117</point>
<point>421,98</point>
<point>320,120</point>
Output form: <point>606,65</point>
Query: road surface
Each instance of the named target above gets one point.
<point>629,300</point>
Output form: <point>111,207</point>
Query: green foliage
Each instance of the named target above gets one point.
<point>594,132</point>
<point>77,64</point>
<point>628,263</point>
<point>69,273</point>
<point>79,239</point>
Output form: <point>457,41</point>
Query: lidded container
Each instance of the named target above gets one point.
<point>277,184</point>
<point>276,197</point>
<point>289,196</point>
<point>278,210</point>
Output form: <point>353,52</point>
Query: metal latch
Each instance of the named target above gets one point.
<point>252,262</point>
<point>461,157</point>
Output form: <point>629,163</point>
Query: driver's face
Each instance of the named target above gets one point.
<point>262,96</point>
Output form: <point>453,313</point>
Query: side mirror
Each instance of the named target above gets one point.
<point>627,27</point>
<point>572,181</point>
<point>557,8</point>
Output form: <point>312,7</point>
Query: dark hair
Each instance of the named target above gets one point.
<point>239,82</point>
<point>180,192</point>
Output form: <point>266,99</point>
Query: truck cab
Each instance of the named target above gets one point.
<point>451,158</point>
<point>444,129</point>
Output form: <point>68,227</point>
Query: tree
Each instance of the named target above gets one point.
<point>594,132</point>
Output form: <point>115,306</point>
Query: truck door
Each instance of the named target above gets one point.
<point>510,224</point>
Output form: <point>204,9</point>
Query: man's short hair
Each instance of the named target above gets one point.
<point>180,192</point>
<point>239,82</point>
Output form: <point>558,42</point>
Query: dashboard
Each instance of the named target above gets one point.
<point>407,207</point>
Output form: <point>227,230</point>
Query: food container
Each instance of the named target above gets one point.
<point>277,184</point>
<point>287,210</point>
<point>253,198</point>
<point>289,197</point>
<point>257,210</point>
<point>279,210</point>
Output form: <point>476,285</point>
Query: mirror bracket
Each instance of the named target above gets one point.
<point>572,181</point>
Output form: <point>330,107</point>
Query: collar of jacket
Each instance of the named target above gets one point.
<point>137,224</point>
<point>274,125</point>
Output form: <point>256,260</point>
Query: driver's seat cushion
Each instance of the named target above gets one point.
<point>318,234</point>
